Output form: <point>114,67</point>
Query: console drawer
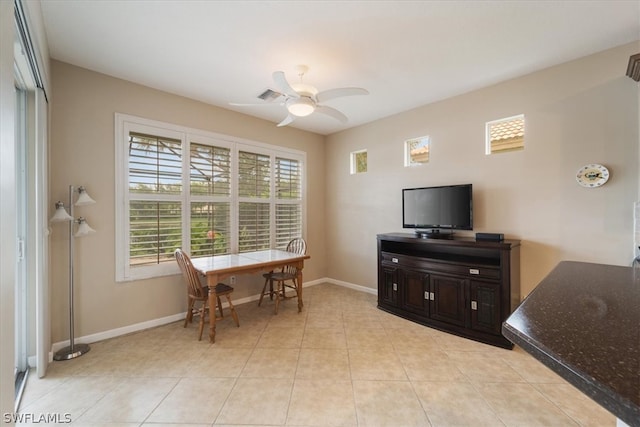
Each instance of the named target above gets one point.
<point>470,270</point>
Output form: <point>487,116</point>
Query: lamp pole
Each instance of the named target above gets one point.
<point>73,350</point>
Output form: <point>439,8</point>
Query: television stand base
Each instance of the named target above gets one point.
<point>434,234</point>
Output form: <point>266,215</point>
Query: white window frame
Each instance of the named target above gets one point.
<point>353,163</point>
<point>487,134</point>
<point>124,124</point>
<point>408,162</point>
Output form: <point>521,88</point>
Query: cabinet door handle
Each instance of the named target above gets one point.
<point>395,286</point>
<point>394,260</point>
<point>474,271</point>
<point>431,296</point>
<point>426,295</point>
<point>474,305</point>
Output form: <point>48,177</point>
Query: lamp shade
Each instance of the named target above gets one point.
<point>60,214</point>
<point>301,107</point>
<point>83,198</point>
<point>83,228</point>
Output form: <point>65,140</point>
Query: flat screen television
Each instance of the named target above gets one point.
<point>431,209</point>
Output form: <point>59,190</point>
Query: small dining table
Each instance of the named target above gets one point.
<point>219,267</point>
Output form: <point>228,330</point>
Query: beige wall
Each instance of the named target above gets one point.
<point>584,111</point>
<point>82,153</point>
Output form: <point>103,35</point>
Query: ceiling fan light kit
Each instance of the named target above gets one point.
<point>301,107</point>
<point>301,99</point>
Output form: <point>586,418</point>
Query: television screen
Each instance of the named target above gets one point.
<point>446,207</point>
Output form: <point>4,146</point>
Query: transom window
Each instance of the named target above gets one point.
<point>505,135</point>
<point>185,188</point>
<point>416,151</point>
<point>358,161</point>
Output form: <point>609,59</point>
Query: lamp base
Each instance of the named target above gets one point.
<point>67,353</point>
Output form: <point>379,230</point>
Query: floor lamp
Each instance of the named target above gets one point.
<point>61,215</point>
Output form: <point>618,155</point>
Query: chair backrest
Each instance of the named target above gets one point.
<point>297,246</point>
<point>190,275</point>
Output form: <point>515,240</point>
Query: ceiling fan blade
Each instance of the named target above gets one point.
<point>282,83</point>
<point>286,121</point>
<point>326,95</point>
<point>332,112</point>
<point>261,104</point>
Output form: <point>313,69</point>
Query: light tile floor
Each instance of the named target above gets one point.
<point>340,362</point>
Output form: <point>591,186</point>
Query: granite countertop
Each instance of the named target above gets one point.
<point>583,322</point>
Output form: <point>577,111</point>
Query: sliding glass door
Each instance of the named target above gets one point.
<point>31,314</point>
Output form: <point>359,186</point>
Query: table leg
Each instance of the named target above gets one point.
<point>212,280</point>
<point>299,289</point>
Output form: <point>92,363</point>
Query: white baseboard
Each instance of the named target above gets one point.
<point>351,286</point>
<point>112,333</point>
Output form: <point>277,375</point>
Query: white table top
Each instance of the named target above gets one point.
<point>247,259</point>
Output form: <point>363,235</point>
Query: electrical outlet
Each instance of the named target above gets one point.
<point>232,280</point>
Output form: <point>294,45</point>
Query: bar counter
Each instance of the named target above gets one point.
<point>583,322</point>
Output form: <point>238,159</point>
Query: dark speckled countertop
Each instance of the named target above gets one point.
<point>583,322</point>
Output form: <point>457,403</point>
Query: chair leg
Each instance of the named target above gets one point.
<point>277,292</point>
<point>219,307</point>
<point>189,317</point>
<point>233,310</point>
<point>202,314</point>
<point>264,288</point>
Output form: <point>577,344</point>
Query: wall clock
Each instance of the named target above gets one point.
<point>592,175</point>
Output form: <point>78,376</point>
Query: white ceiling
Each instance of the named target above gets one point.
<point>406,53</point>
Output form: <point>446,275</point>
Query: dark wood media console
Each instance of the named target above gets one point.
<point>462,285</point>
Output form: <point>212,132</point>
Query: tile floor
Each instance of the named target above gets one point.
<point>341,362</point>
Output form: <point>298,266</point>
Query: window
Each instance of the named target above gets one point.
<point>210,186</point>
<point>179,187</point>
<point>288,187</point>
<point>358,161</point>
<point>254,174</point>
<point>155,188</point>
<point>505,135</point>
<point>416,151</point>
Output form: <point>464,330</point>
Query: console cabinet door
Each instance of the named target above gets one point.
<point>448,302</point>
<point>388,285</point>
<point>414,291</point>
<point>485,306</point>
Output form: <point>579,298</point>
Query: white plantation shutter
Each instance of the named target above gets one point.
<point>155,165</point>
<point>155,231</point>
<point>288,208</point>
<point>253,226</point>
<point>155,187</point>
<point>210,182</point>
<point>254,193</point>
<point>210,194</point>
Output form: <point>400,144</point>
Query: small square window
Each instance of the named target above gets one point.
<point>358,161</point>
<point>416,151</point>
<point>505,135</point>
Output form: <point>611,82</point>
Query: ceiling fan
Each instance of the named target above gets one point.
<point>302,99</point>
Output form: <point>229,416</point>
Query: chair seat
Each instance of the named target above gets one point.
<point>281,276</point>
<point>222,289</point>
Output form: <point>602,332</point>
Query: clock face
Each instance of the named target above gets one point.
<point>592,175</point>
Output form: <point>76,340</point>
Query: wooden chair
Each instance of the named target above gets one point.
<point>288,273</point>
<point>197,292</point>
